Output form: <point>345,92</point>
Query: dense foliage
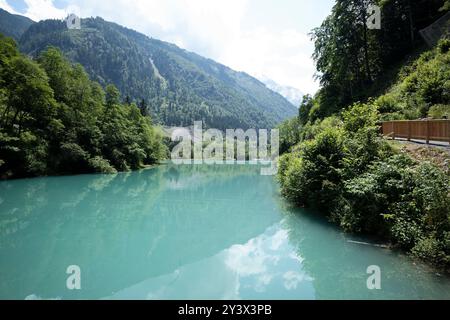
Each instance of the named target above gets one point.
<point>354,62</point>
<point>177,87</point>
<point>423,88</point>
<point>55,120</point>
<point>337,160</point>
<point>360,182</point>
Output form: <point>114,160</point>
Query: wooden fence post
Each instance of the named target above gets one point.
<point>448,131</point>
<point>427,130</point>
<point>409,130</point>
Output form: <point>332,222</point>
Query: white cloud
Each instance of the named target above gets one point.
<point>43,9</point>
<point>278,239</point>
<point>5,6</point>
<point>250,258</point>
<point>210,28</point>
<point>253,260</point>
<point>284,57</point>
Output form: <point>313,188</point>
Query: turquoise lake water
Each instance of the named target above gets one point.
<point>187,232</point>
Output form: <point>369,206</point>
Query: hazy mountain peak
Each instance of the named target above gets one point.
<point>293,95</point>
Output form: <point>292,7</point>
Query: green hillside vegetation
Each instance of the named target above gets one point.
<point>355,63</point>
<point>176,86</point>
<point>12,25</point>
<point>423,88</point>
<point>54,120</point>
<point>338,162</point>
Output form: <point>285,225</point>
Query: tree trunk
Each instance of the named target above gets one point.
<point>411,23</point>
<point>366,55</point>
<point>4,118</point>
<point>14,120</point>
<point>20,123</point>
<point>366,44</point>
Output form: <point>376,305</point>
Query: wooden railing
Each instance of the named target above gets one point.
<point>428,130</point>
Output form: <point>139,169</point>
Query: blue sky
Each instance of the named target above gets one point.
<point>265,38</point>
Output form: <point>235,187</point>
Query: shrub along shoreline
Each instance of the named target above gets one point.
<point>359,181</point>
<point>337,161</point>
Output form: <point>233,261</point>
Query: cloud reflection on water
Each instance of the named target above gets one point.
<point>265,266</point>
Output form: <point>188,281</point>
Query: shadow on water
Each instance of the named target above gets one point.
<point>338,262</point>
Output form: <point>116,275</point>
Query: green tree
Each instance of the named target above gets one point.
<point>313,178</point>
<point>305,109</point>
<point>55,120</point>
<point>289,134</point>
<point>112,95</point>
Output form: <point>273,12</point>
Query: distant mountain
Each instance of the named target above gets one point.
<point>179,87</point>
<point>13,25</point>
<point>293,95</point>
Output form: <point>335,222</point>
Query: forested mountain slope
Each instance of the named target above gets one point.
<point>177,86</point>
<point>13,25</point>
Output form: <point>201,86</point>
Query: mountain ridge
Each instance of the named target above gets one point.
<point>291,94</point>
<point>177,86</point>
<point>13,25</point>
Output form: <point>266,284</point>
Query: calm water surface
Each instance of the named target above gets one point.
<point>186,232</point>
